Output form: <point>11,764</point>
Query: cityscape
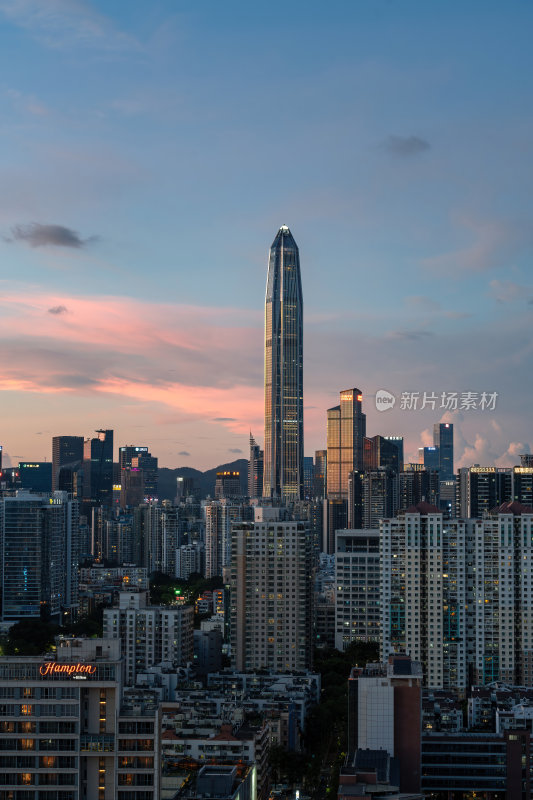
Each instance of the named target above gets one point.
<point>288,565</point>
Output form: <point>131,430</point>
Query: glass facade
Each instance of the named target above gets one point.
<point>443,439</point>
<point>346,434</point>
<point>283,452</point>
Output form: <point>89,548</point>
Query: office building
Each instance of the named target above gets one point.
<point>429,457</point>
<point>131,487</point>
<point>523,485</point>
<point>150,634</point>
<point>271,596</point>
<point>228,485</point>
<point>309,476</point>
<point>443,441</point>
<point>39,555</point>
<point>385,712</point>
<point>36,476</point>
<point>346,431</point>
<point>67,452</point>
<point>98,468</point>
<point>284,429</point>
<point>357,595</point>
<point>128,452</point>
<point>139,457</point>
<point>321,469</point>
<point>255,470</point>
<point>480,489</point>
<point>356,496</point>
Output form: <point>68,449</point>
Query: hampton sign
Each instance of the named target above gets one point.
<point>50,668</point>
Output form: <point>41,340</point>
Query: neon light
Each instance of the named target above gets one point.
<point>52,668</point>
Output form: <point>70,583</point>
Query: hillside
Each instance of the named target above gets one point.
<point>204,482</point>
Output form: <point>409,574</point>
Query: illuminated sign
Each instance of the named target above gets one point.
<point>482,469</point>
<point>53,668</point>
<point>524,470</point>
<point>117,487</point>
<point>360,398</point>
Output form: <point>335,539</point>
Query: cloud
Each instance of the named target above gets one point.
<point>67,24</point>
<point>405,146</point>
<point>235,450</point>
<point>183,453</point>
<point>496,244</point>
<point>120,347</point>
<point>425,303</point>
<point>410,335</point>
<point>507,291</point>
<point>37,235</point>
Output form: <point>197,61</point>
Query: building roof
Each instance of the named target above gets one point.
<point>512,507</point>
<point>423,508</point>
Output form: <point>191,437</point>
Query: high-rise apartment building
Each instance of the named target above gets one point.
<point>500,596</point>
<point>271,596</point>
<point>150,634</point>
<point>345,438</point>
<point>456,594</point>
<point>424,593</point>
<point>357,593</point>
<point>220,515</point>
<point>380,496</point>
<point>443,439</point>
<point>39,555</point>
<point>67,451</point>
<point>284,430</point>
<point>255,470</point>
<point>418,485</point>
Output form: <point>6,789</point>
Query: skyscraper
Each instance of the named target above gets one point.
<point>98,467</point>
<point>39,554</point>
<point>255,470</point>
<point>67,451</point>
<point>346,432</point>
<point>443,439</point>
<point>284,433</point>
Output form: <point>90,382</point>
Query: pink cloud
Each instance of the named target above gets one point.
<point>199,361</point>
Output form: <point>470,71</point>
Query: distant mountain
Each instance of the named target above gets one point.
<point>204,482</point>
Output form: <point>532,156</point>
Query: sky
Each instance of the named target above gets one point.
<point>149,152</point>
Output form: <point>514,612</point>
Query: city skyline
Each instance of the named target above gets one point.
<point>138,155</point>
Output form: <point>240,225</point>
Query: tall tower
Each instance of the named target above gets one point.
<point>284,429</point>
<point>443,439</point>
<point>346,434</point>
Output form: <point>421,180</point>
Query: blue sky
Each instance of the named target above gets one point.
<point>168,142</point>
